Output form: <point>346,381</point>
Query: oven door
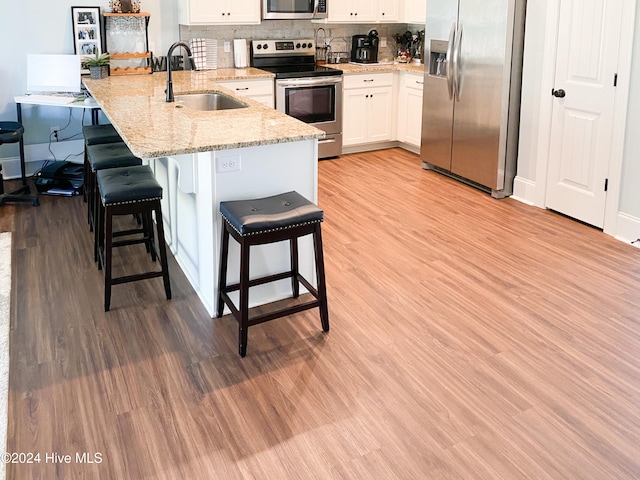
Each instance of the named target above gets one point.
<point>313,100</point>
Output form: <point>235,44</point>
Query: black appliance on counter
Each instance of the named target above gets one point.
<point>364,48</point>
<point>309,92</point>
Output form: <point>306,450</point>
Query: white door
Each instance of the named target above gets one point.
<point>584,90</point>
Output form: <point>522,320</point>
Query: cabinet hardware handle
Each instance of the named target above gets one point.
<point>371,80</point>
<point>245,88</point>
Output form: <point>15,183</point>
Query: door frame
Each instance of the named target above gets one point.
<point>619,110</point>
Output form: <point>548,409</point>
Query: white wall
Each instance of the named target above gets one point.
<point>44,26</point>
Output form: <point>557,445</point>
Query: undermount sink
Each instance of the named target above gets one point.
<point>208,101</point>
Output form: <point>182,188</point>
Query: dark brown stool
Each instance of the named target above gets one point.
<point>287,216</point>
<point>96,135</point>
<point>129,191</point>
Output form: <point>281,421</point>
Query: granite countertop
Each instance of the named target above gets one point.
<point>378,67</point>
<point>152,128</point>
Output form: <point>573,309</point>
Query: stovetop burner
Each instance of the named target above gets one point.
<point>288,59</point>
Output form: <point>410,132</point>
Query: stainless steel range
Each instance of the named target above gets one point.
<point>304,90</point>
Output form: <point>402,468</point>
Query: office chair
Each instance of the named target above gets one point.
<point>11,132</point>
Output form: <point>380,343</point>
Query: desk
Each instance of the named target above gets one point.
<point>53,101</point>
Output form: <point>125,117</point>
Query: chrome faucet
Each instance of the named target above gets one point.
<point>169,89</point>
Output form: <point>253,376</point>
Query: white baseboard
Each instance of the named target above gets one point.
<point>524,190</point>
<point>36,154</point>
<point>628,229</point>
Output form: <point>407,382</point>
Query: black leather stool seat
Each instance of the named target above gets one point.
<point>104,156</point>
<point>97,134</point>
<point>111,155</point>
<point>10,132</point>
<point>286,210</point>
<point>125,191</point>
<point>128,185</point>
<point>287,216</point>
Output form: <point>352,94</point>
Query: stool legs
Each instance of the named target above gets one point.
<point>243,324</point>
<point>105,244</point>
<point>222,275</point>
<point>241,313</point>
<point>322,285</point>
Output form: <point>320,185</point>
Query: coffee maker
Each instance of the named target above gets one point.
<point>364,48</point>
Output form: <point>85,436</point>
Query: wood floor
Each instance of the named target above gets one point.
<point>471,338</point>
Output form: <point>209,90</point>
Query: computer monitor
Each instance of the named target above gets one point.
<point>53,73</point>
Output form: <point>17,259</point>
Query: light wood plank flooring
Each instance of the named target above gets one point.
<point>471,338</point>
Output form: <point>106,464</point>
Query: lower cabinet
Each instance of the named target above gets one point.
<point>260,90</point>
<point>367,103</point>
<point>410,108</point>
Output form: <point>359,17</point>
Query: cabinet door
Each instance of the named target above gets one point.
<point>340,10</point>
<point>353,11</point>
<point>415,11</point>
<point>242,11</point>
<point>379,107</point>
<point>389,10</point>
<point>366,10</point>
<point>206,11</point>
<point>355,116</point>
<point>410,109</point>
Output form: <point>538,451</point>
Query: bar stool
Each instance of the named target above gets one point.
<point>129,191</point>
<point>287,216</point>
<point>100,157</point>
<point>12,132</point>
<point>96,135</point>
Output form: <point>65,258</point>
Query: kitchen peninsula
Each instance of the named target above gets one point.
<point>204,157</point>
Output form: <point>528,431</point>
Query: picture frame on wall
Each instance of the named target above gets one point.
<point>87,31</point>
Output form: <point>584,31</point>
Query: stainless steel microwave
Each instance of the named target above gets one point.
<point>293,9</point>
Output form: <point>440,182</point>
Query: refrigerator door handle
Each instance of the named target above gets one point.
<point>452,35</point>
<point>457,80</point>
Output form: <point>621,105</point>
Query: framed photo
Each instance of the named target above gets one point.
<point>87,31</point>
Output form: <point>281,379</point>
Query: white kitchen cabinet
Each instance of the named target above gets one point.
<point>193,12</point>
<point>410,108</point>
<point>367,108</point>
<point>389,11</point>
<point>260,90</point>
<point>352,11</point>
<point>415,11</point>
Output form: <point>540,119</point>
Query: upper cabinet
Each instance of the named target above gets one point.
<point>219,11</point>
<point>389,11</point>
<point>415,11</point>
<point>363,11</point>
<point>352,11</point>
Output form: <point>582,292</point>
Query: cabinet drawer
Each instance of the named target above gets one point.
<point>415,82</point>
<point>361,80</point>
<point>249,87</point>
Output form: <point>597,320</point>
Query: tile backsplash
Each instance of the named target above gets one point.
<point>337,36</point>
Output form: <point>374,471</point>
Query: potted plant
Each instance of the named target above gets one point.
<point>98,65</point>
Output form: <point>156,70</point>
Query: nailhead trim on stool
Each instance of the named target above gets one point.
<point>287,216</point>
<point>126,191</point>
<point>96,135</point>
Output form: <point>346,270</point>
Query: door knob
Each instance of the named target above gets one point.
<point>558,93</point>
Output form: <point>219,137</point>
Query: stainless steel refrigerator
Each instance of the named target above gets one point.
<point>473,72</point>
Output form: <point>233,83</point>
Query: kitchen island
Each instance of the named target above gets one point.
<point>204,157</point>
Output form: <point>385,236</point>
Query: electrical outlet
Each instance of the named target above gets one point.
<point>383,42</point>
<point>228,164</point>
<point>227,46</point>
<point>54,132</point>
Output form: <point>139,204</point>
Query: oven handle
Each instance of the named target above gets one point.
<point>304,82</point>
